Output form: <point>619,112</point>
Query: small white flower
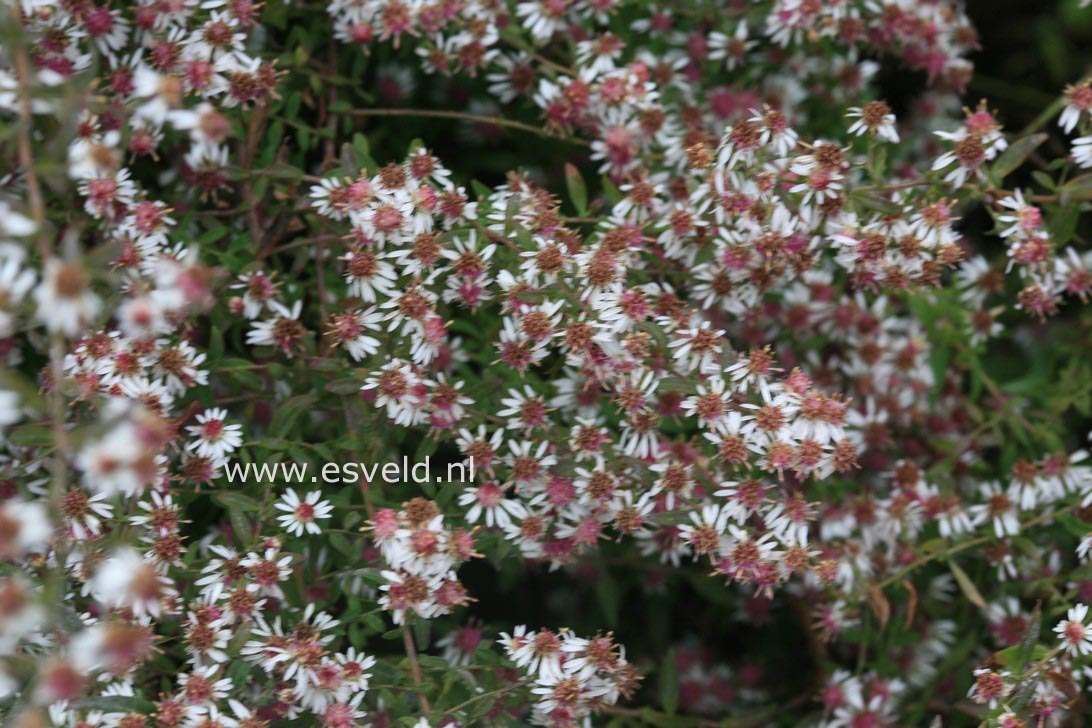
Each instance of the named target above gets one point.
<point>66,303</point>
<point>300,515</point>
<point>127,580</point>
<point>24,527</point>
<point>215,439</point>
<point>874,118</point>
<point>1074,634</point>
<point>1082,151</point>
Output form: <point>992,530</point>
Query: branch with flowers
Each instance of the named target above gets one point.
<point>768,390</point>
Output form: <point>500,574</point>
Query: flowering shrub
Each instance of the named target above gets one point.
<point>770,400</point>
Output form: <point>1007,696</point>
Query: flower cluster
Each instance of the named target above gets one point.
<point>573,676</point>
<point>422,557</point>
<point>732,338</point>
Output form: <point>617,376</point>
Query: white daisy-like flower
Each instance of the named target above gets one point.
<point>126,579</point>
<point>14,225</point>
<point>1082,151</point>
<point>66,303</point>
<point>215,439</point>
<point>1074,634</point>
<point>874,118</point>
<point>282,330</point>
<point>9,408</point>
<point>300,515</point>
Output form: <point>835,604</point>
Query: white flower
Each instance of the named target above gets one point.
<point>300,515</point>
<point>874,118</point>
<point>64,299</point>
<point>488,499</point>
<point>141,315</point>
<point>15,280</point>
<point>1078,101</point>
<point>732,49</point>
<point>541,19</point>
<point>283,330</point>
<point>160,94</point>
<point>88,524</point>
<point>115,463</point>
<point>1082,151</point>
<point>697,348</point>
<point>368,275</point>
<point>400,390</point>
<point>351,328</point>
<point>12,224</point>
<point>24,527</point>
<point>94,156</point>
<point>125,579</point>
<point>215,439</point>
<point>1074,634</point>
<point>1024,218</point>
<point>999,506</point>
<point>9,408</point>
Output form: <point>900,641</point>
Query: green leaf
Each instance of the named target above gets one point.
<point>421,632</point>
<point>876,203</point>
<point>289,411</point>
<point>360,144</point>
<point>29,395</point>
<point>1078,187</point>
<point>966,585</point>
<point>1015,155</point>
<point>608,594</point>
<point>32,435</point>
<point>216,344</point>
<point>1030,639</point>
<point>282,171</point>
<point>1074,525</point>
<point>342,544</point>
<point>578,191</point>
<point>114,704</point>
<point>480,190</point>
<point>347,385</point>
<point>212,235</point>
<point>234,500</point>
<point>614,195</point>
<point>669,683</point>
<point>1063,223</point>
<point>350,160</point>
<point>1044,179</point>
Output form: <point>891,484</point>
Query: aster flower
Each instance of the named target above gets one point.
<point>874,118</point>
<point>300,515</point>
<point>1074,634</point>
<point>282,330</point>
<point>65,302</point>
<point>214,438</point>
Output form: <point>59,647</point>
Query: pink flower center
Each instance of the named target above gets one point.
<point>212,429</point>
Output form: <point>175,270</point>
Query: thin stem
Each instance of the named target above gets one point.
<point>464,116</point>
<point>415,668</point>
<point>892,187</point>
<point>59,464</point>
<point>255,129</point>
<point>25,149</point>
<point>491,694</point>
<point>923,560</point>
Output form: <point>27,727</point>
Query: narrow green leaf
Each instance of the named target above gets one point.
<point>578,191</point>
<point>669,683</point>
<point>967,586</point>
<point>289,411</point>
<point>1015,155</point>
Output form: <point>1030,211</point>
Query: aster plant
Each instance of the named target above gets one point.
<point>768,395</point>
